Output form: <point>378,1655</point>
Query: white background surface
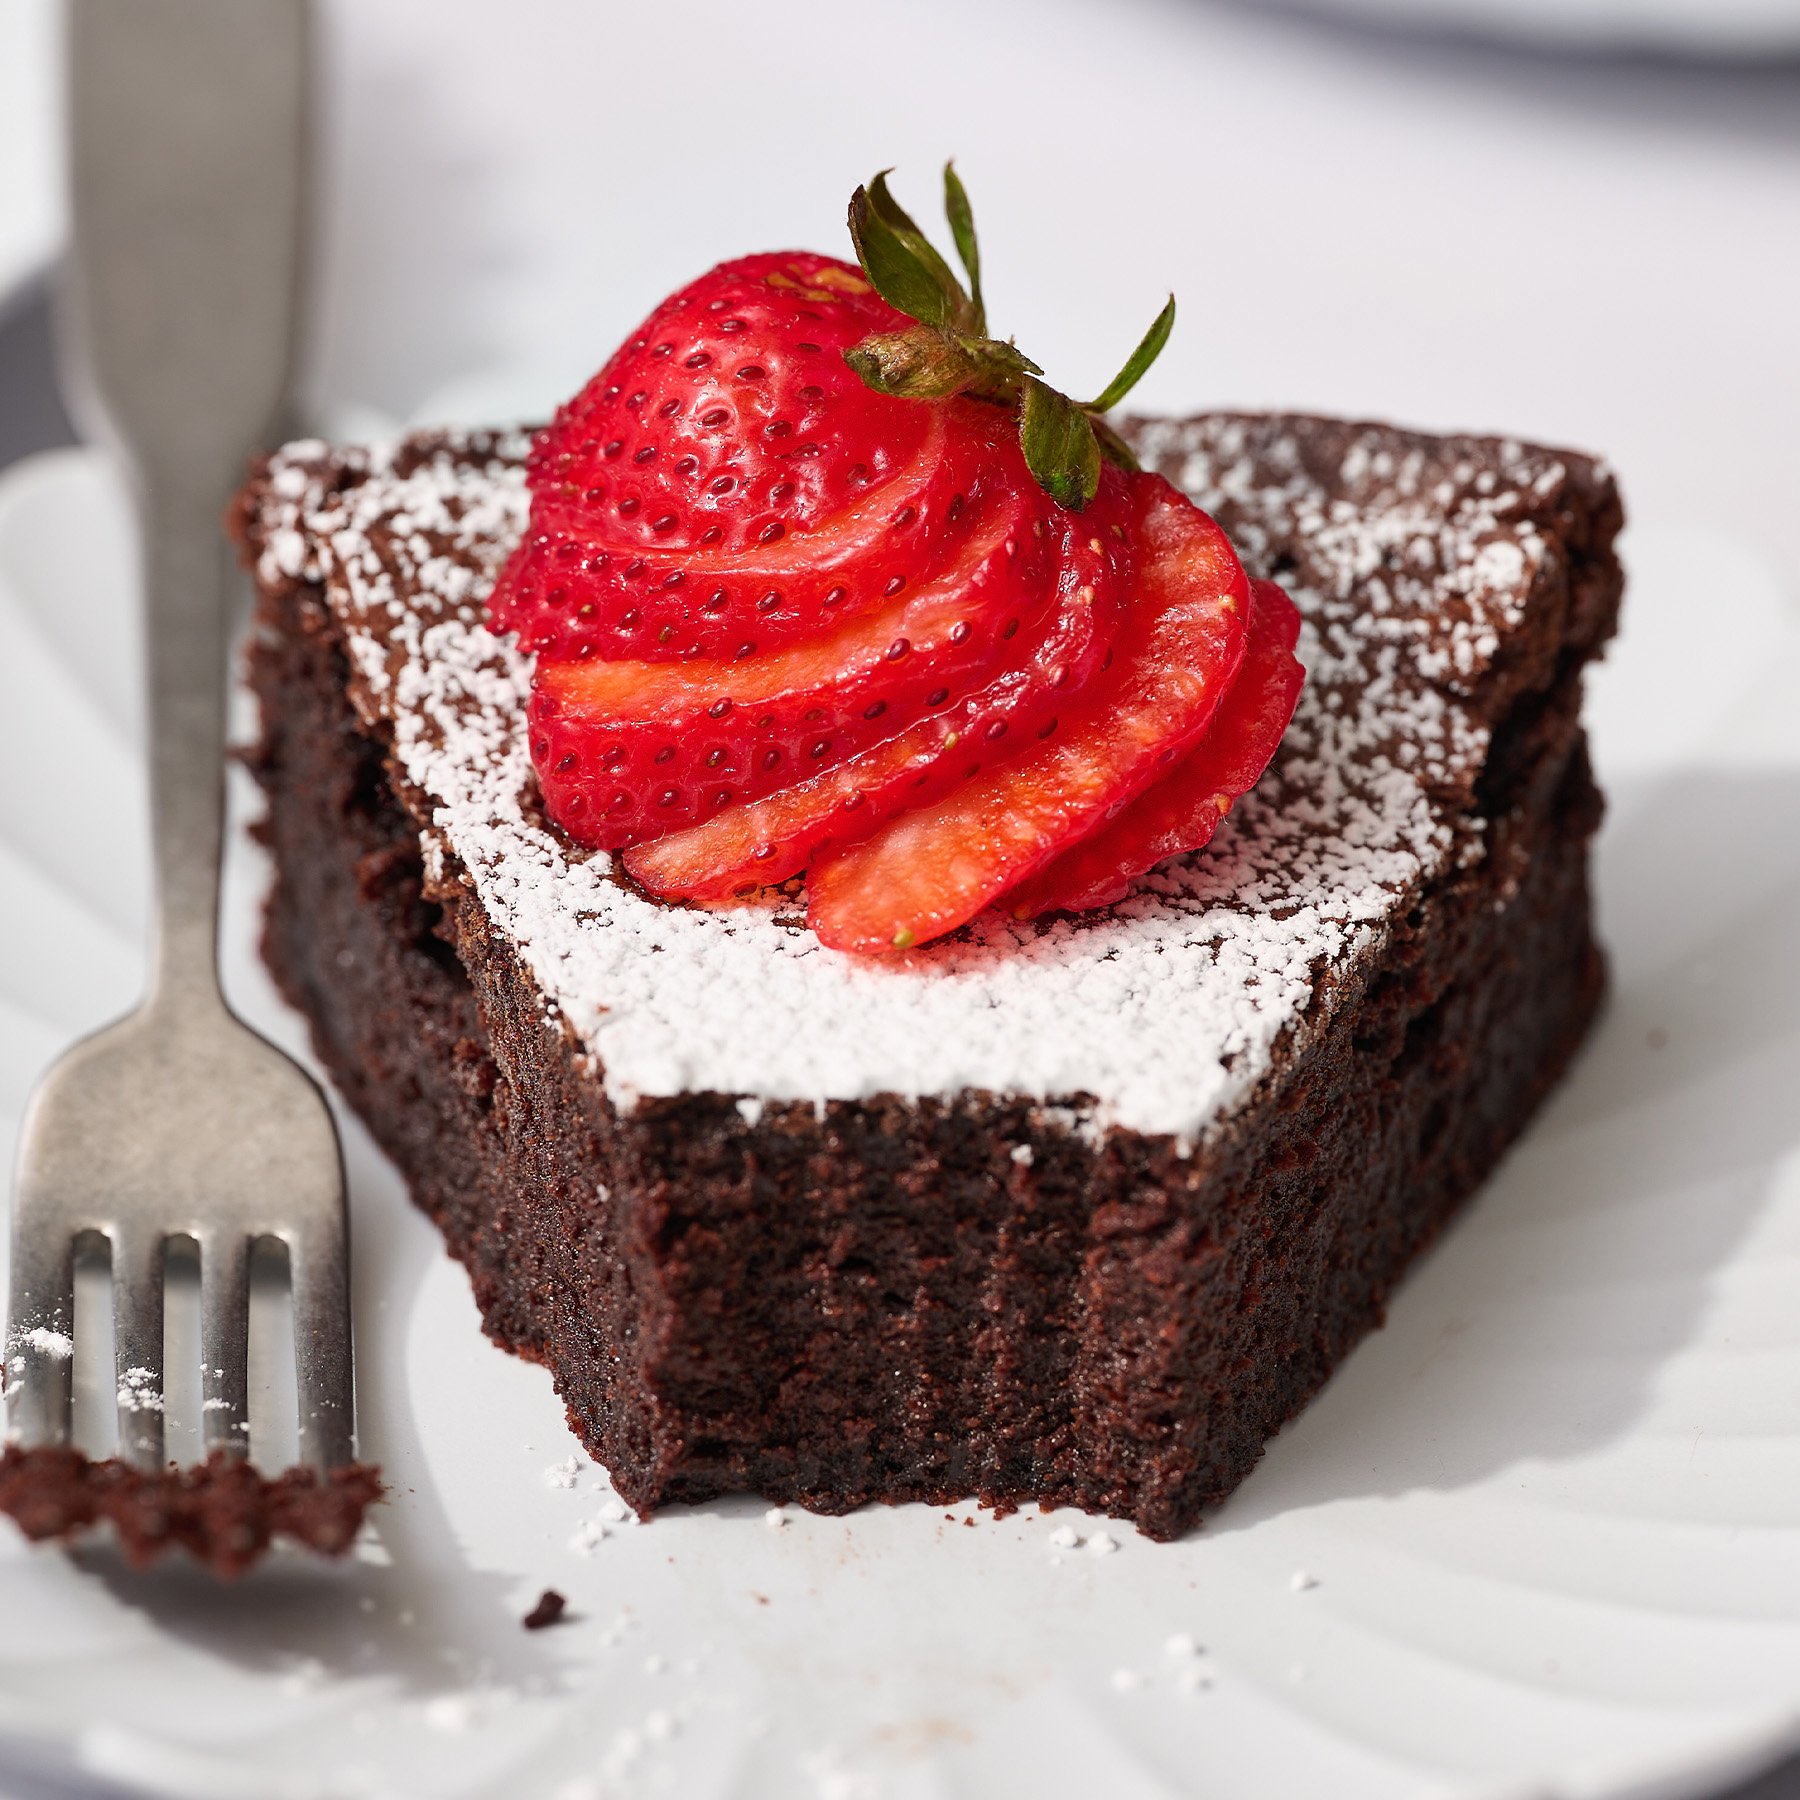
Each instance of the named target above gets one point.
<point>1582,250</point>
<point>1553,1506</point>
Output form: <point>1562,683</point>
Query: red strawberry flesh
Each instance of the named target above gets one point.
<point>1179,813</point>
<point>728,482</point>
<point>760,340</point>
<point>628,750</point>
<point>746,847</point>
<point>932,869</point>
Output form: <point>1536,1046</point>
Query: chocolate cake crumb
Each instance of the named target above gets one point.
<point>223,1512</point>
<point>551,1609</point>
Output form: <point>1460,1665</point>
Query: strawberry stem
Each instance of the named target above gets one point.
<point>947,351</point>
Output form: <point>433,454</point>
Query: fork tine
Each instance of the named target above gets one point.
<point>225,1342</point>
<point>137,1284</point>
<point>322,1375</point>
<point>40,1344</point>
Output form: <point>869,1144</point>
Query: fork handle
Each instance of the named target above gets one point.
<point>186,577</point>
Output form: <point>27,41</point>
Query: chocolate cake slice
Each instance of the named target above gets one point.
<point>1077,1211</point>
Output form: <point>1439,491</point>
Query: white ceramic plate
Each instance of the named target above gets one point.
<point>1552,1510</point>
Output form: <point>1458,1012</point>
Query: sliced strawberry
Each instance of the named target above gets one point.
<point>569,593</point>
<point>573,598</point>
<point>754,845</point>
<point>821,576</point>
<point>934,868</point>
<point>743,372</point>
<point>727,483</point>
<point>627,750</point>
<point>1180,812</point>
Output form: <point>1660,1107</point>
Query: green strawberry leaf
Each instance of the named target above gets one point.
<point>962,230</point>
<point>1137,365</point>
<point>907,270</point>
<point>899,275</point>
<point>1061,450</point>
<point>947,352</point>
<point>1004,359</point>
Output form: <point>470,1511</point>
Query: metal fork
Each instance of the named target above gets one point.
<point>187,133</point>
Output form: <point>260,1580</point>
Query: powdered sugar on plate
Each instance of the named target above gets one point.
<point>1159,1014</point>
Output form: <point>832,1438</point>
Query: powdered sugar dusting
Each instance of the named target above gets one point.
<point>1158,1015</point>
